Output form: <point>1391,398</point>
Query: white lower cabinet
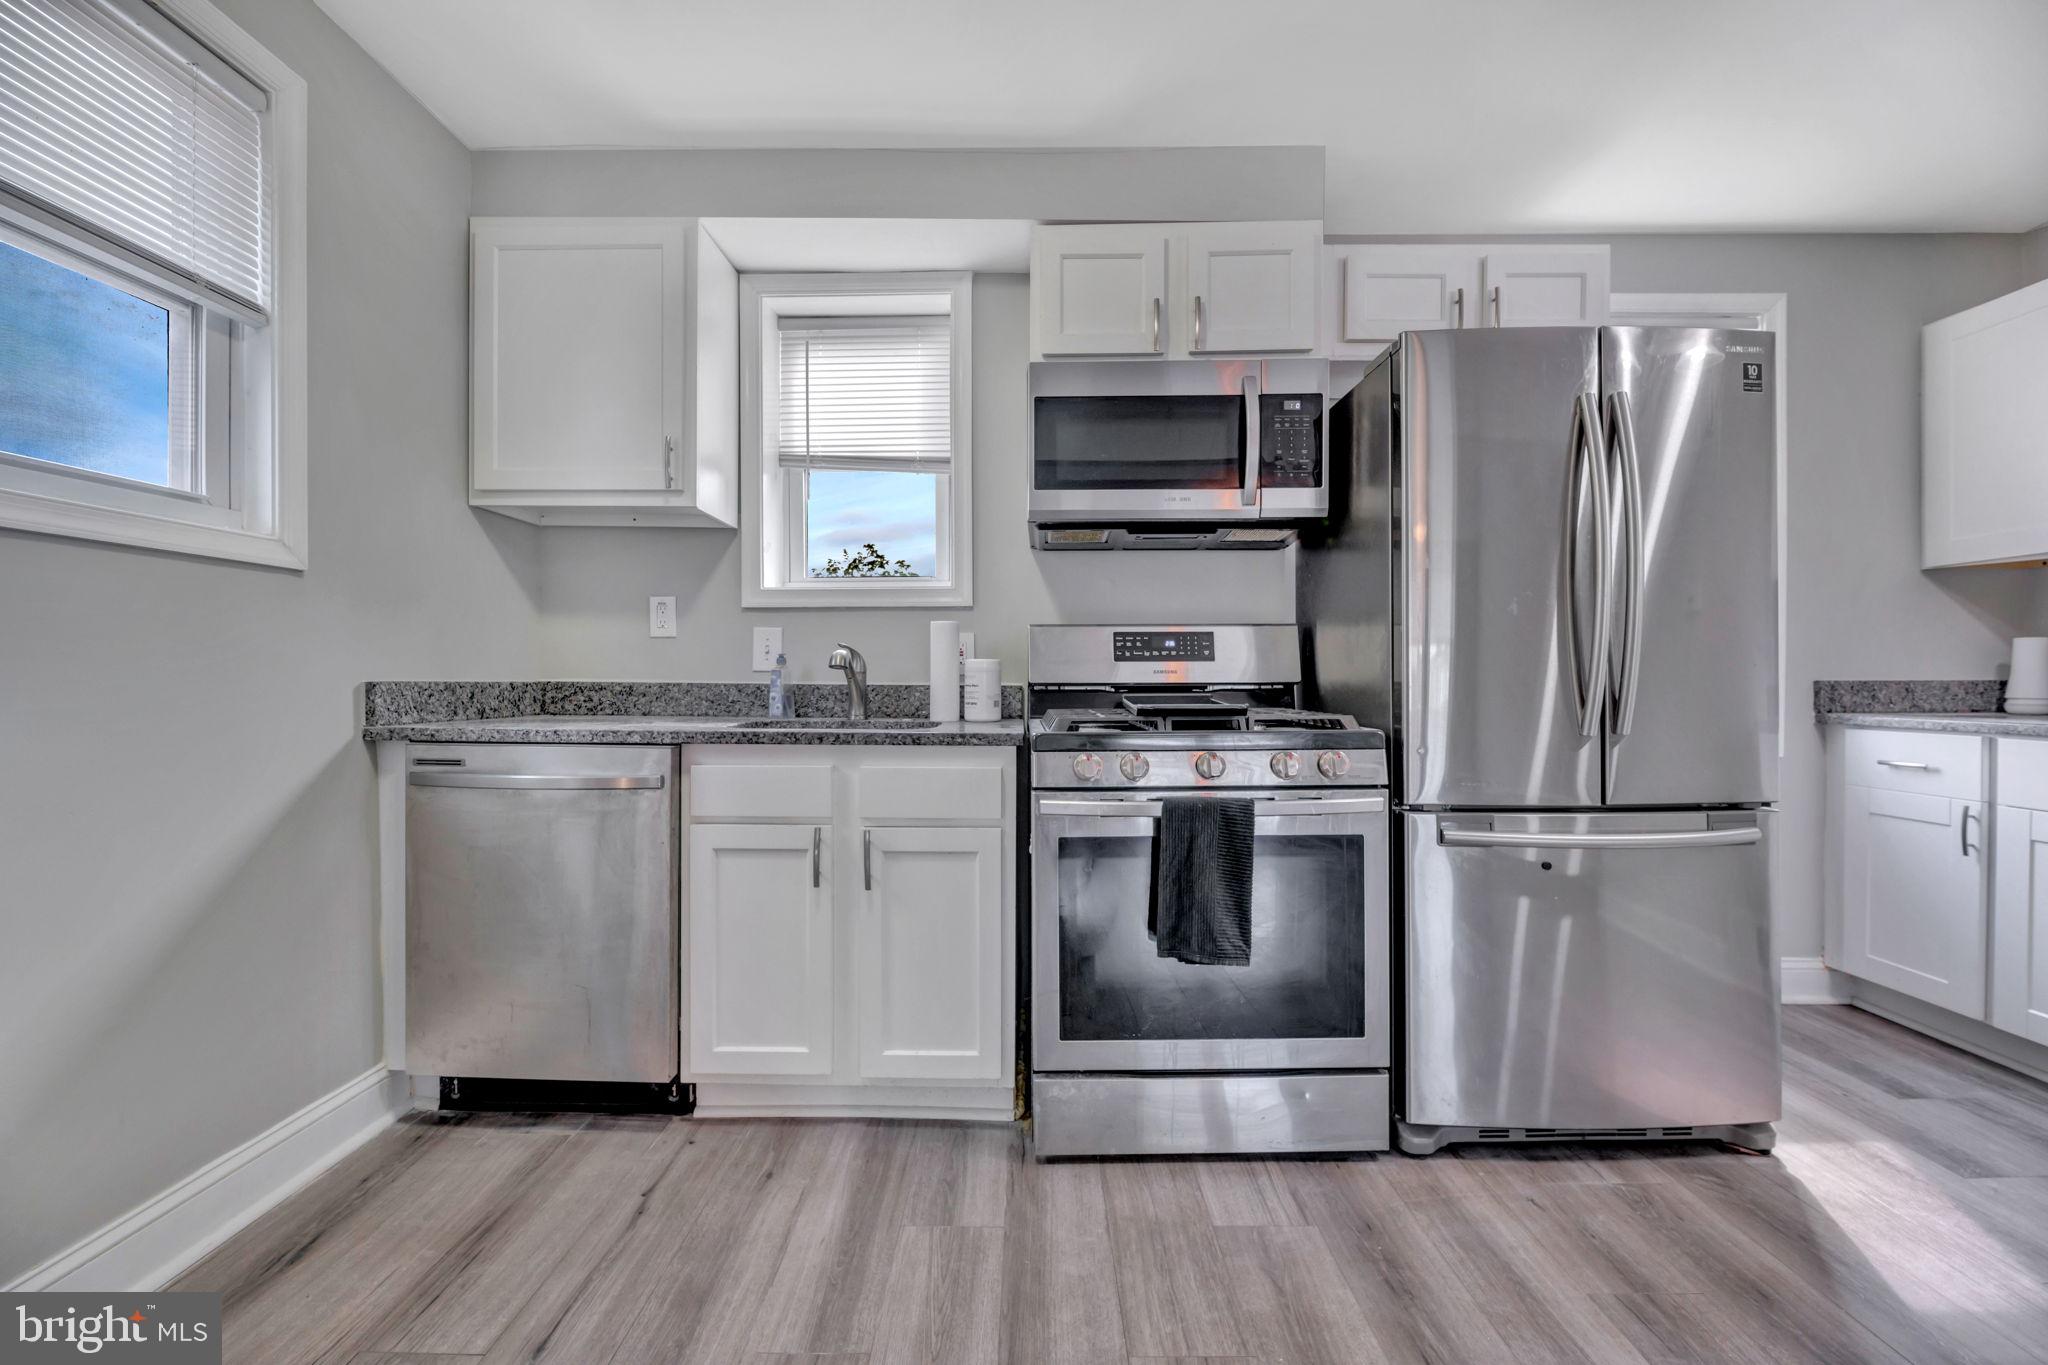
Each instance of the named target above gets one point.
<point>761,960</point>
<point>851,926</point>
<point>928,976</point>
<point>2019,989</point>
<point>1913,903</point>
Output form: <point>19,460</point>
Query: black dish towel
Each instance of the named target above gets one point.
<point>1201,910</point>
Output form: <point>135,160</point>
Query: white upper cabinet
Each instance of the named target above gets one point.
<point>1174,290</point>
<point>1374,292</point>
<point>1251,287</point>
<point>1099,289</point>
<point>1984,433</point>
<point>603,371</point>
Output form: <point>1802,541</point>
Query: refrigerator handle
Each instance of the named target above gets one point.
<point>1587,464</point>
<point>1621,432</point>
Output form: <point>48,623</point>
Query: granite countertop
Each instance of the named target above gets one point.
<point>1957,707</point>
<point>665,713</point>
<point>1954,722</point>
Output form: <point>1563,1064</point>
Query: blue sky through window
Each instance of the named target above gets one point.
<point>84,371</point>
<point>849,508</point>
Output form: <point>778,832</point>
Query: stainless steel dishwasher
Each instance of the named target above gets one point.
<point>540,939</point>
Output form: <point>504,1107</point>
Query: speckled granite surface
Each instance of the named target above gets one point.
<point>1958,723</point>
<point>575,712</point>
<point>1939,697</point>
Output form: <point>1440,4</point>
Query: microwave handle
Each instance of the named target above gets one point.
<point>1249,497</point>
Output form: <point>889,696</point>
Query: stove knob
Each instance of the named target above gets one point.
<point>1134,767</point>
<point>1209,765</point>
<point>1286,766</point>
<point>1087,767</point>
<point>1333,764</point>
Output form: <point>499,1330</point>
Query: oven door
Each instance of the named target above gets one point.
<point>1173,441</point>
<point>1315,994</point>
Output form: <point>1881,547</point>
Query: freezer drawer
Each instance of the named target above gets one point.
<point>541,912</point>
<point>1591,971</point>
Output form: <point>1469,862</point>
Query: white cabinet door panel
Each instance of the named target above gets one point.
<point>1388,290</point>
<point>1914,913</point>
<point>928,983</point>
<point>1544,287</point>
<point>1250,287</point>
<point>2019,944</point>
<point>1099,289</point>
<point>1984,433</point>
<point>576,353</point>
<point>761,957</point>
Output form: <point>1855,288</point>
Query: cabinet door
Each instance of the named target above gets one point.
<point>576,353</point>
<point>1099,289</point>
<point>1544,287</point>
<point>1984,433</point>
<point>1379,292</point>
<point>928,989</point>
<point>1250,287</point>
<point>760,950</point>
<point>2019,924</point>
<point>1913,904</point>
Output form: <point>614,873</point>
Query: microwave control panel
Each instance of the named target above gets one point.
<point>1290,440</point>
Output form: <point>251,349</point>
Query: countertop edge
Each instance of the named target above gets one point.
<point>984,734</point>
<point>1990,723</point>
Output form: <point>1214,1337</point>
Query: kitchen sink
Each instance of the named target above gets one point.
<point>835,723</point>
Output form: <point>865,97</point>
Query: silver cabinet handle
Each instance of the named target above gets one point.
<point>1968,814</point>
<point>1622,438</point>
<point>817,846</point>
<point>1458,306</point>
<point>1698,838</point>
<point>1587,455</point>
<point>575,782</point>
<point>1151,810</point>
<point>669,460</point>
<point>1156,304</point>
<point>1248,496</point>
<point>1496,305</point>
<point>867,859</point>
<point>1198,324</point>
<point>1902,763</point>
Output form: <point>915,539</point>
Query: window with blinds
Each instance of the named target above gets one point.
<point>115,119</point>
<point>867,393</point>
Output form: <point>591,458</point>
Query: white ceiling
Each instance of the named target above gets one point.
<point>1439,116</point>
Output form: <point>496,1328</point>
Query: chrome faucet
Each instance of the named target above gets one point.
<point>847,660</point>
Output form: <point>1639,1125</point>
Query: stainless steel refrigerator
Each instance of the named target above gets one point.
<point>1550,576</point>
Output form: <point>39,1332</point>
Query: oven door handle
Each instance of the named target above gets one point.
<point>1150,810</point>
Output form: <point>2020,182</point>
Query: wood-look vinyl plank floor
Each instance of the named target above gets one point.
<point>1904,1218</point>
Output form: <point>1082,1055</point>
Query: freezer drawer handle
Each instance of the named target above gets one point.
<point>1902,763</point>
<point>538,781</point>
<point>1698,838</point>
<point>1150,810</point>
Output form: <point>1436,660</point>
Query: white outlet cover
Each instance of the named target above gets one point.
<point>767,644</point>
<point>661,617</point>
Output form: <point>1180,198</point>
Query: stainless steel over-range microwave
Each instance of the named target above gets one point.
<point>1198,454</point>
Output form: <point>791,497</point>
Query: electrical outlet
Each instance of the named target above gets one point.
<point>661,617</point>
<point>767,644</point>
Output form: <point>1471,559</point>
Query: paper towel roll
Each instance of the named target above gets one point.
<point>945,670</point>
<point>982,695</point>
<point>2029,680</point>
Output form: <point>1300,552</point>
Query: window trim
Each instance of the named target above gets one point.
<point>769,503</point>
<point>267,522</point>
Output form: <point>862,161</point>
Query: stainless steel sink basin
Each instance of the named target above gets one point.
<point>835,723</point>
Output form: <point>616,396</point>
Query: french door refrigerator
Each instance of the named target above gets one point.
<point>1552,579</point>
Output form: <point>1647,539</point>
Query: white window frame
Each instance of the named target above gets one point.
<point>1760,312</point>
<point>772,498</point>
<point>250,419</point>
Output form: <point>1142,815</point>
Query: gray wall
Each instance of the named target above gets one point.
<point>2034,255</point>
<point>186,817</point>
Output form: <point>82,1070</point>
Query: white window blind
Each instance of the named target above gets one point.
<point>866,393</point>
<point>114,118</point>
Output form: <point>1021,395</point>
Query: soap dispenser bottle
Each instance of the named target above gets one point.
<point>776,704</point>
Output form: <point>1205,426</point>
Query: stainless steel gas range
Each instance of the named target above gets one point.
<point>1133,1052</point>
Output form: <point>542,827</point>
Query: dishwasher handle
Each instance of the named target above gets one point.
<point>579,782</point>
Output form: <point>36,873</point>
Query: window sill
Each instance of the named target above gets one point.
<point>84,521</point>
<point>865,596</point>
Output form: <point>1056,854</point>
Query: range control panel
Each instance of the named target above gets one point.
<point>1136,645</point>
<point>1290,440</point>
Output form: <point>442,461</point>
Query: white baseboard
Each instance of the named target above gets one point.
<point>1809,981</point>
<point>152,1244</point>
